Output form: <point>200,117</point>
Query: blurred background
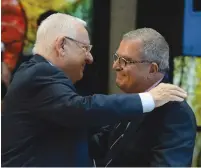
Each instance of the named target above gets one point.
<point>178,21</point>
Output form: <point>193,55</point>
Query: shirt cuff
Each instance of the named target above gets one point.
<point>147,102</point>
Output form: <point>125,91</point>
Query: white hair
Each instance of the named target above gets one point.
<point>81,21</point>
<point>55,25</point>
<point>155,48</point>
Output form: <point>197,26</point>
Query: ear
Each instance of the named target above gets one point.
<point>59,46</point>
<point>153,68</point>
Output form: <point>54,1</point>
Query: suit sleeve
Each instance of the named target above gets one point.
<point>175,144</point>
<point>56,100</point>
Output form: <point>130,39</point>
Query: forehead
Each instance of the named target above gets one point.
<point>130,49</point>
<point>82,35</point>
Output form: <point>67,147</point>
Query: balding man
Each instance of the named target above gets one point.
<point>44,120</point>
<point>163,138</point>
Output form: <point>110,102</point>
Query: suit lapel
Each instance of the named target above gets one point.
<point>123,138</point>
<point>130,131</point>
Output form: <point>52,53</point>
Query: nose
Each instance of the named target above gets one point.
<point>116,66</point>
<point>89,59</point>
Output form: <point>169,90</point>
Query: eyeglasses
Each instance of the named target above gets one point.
<point>123,61</point>
<point>86,48</point>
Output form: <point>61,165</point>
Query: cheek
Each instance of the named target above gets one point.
<point>73,61</point>
<point>125,78</point>
<point>131,78</point>
<point>78,65</point>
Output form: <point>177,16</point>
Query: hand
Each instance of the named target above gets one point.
<point>5,74</point>
<point>163,93</point>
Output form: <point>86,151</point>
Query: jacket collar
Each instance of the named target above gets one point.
<point>165,78</point>
<point>38,58</point>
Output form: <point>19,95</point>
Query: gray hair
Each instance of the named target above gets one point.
<point>155,48</point>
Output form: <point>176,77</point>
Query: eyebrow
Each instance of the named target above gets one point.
<point>85,44</point>
<point>124,56</point>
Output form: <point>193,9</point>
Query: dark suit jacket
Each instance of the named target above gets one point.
<point>45,122</point>
<point>162,138</point>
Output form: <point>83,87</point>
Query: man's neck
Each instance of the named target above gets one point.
<point>154,85</point>
<point>148,84</point>
<point>153,82</point>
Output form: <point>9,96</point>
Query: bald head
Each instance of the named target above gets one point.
<point>57,25</point>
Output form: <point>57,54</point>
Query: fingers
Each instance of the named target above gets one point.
<point>177,93</point>
<point>173,87</point>
<point>164,93</point>
<point>176,98</point>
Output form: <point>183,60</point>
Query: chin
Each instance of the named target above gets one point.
<point>120,85</point>
<point>81,76</point>
<point>124,87</point>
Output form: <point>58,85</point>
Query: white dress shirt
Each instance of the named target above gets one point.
<point>147,100</point>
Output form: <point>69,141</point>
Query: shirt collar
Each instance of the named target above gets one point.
<point>50,63</point>
<point>155,84</point>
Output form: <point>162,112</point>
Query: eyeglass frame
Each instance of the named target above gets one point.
<point>128,61</point>
<point>87,50</point>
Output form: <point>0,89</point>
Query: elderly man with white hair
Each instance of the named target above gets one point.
<point>44,121</point>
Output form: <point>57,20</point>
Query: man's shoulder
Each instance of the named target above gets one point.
<point>177,111</point>
<point>33,74</point>
<point>33,71</point>
<point>38,68</point>
<point>183,107</point>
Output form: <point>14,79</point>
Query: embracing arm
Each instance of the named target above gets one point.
<point>59,103</point>
<point>55,99</point>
